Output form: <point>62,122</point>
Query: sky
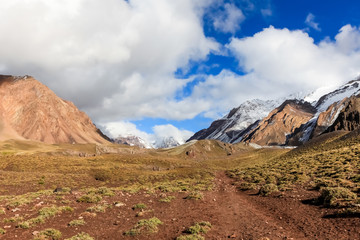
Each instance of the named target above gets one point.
<point>160,68</point>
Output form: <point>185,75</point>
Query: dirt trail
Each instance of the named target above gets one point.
<point>236,216</point>
<point>239,215</point>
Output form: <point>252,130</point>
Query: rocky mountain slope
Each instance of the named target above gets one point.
<point>30,110</point>
<point>234,125</point>
<point>281,122</point>
<point>292,123</point>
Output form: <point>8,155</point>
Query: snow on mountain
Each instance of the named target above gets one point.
<point>347,90</point>
<point>241,120</point>
<point>168,142</point>
<point>159,142</point>
<point>133,141</point>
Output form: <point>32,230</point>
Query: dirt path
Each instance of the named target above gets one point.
<point>239,215</point>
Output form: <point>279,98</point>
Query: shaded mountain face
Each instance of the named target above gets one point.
<point>348,117</point>
<point>30,110</point>
<point>281,122</point>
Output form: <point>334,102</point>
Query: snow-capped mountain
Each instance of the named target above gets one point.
<point>228,128</point>
<point>328,109</point>
<point>167,142</point>
<point>133,141</point>
<point>258,121</point>
<point>160,142</point>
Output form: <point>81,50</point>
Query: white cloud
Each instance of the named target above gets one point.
<point>229,20</point>
<point>278,62</point>
<point>124,129</point>
<point>169,131</point>
<point>310,21</point>
<point>285,60</point>
<point>115,59</point>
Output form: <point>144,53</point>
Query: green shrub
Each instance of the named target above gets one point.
<point>200,227</point>
<point>140,206</point>
<point>146,226</point>
<point>77,222</point>
<point>2,231</point>
<point>90,198</point>
<point>98,208</point>
<point>336,196</point>
<point>49,233</point>
<point>196,195</point>
<point>190,237</point>
<point>268,189</point>
<point>167,199</point>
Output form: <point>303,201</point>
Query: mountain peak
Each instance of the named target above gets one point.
<point>30,110</point>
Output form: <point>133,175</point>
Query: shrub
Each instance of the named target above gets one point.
<point>2,231</point>
<point>146,226</point>
<point>195,195</point>
<point>167,199</point>
<point>247,186</point>
<point>200,227</point>
<point>90,198</point>
<point>190,237</point>
<point>49,233</point>
<point>336,196</point>
<point>77,222</point>
<point>140,206</point>
<point>98,208</point>
<point>267,189</point>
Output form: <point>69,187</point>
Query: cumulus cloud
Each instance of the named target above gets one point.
<point>310,21</point>
<point>277,63</point>
<point>229,20</point>
<point>286,60</point>
<point>114,59</point>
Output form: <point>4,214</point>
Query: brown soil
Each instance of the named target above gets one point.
<point>233,215</point>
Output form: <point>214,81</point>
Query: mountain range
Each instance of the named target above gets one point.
<point>30,110</point>
<point>291,122</point>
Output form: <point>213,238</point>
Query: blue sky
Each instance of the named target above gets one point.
<point>160,68</point>
<point>330,16</point>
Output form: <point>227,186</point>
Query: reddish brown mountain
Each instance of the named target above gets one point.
<point>30,110</point>
<point>281,122</point>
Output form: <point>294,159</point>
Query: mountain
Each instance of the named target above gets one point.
<point>234,125</point>
<point>328,108</point>
<point>30,110</point>
<point>132,141</point>
<point>291,123</point>
<point>160,142</point>
<point>281,122</point>
<point>166,142</point>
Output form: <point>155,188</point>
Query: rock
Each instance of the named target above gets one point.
<point>119,204</point>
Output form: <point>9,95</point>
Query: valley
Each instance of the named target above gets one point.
<point>85,191</point>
